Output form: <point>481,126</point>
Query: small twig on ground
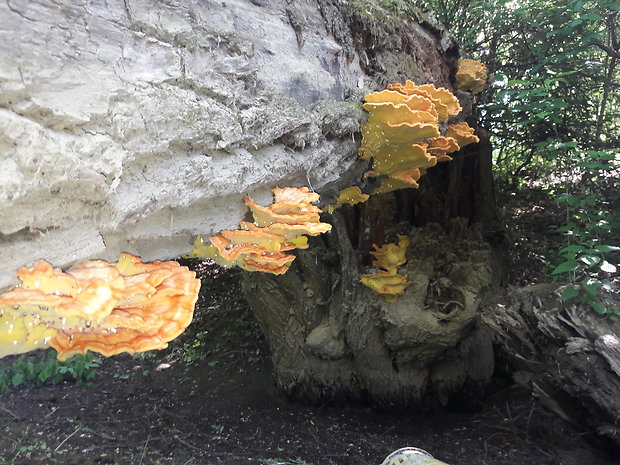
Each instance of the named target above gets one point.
<point>184,442</point>
<point>54,410</point>
<point>529,418</point>
<point>4,409</point>
<point>144,449</point>
<point>67,438</point>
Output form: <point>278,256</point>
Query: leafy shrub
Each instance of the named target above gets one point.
<point>33,370</point>
<point>591,257</point>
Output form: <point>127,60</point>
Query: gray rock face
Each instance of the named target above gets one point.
<point>135,125</point>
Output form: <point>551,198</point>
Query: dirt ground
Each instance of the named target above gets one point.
<point>210,399</point>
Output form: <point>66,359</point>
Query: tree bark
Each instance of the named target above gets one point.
<point>566,354</point>
<point>331,338</point>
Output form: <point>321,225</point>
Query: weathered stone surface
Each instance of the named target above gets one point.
<point>143,123</point>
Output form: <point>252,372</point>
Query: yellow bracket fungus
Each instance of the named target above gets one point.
<point>391,255</point>
<point>278,228</point>
<point>462,133</point>
<point>108,308</point>
<point>402,134</point>
<point>405,179</point>
<point>471,76</point>
<point>446,104</point>
<point>388,282</point>
<point>351,195</point>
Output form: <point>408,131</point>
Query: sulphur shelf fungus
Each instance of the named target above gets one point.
<point>351,195</point>
<point>388,282</point>
<point>128,306</point>
<point>462,133</point>
<point>471,76</point>
<point>277,229</point>
<point>402,134</point>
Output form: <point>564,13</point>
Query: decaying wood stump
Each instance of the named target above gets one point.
<point>332,338</point>
<point>567,355</point>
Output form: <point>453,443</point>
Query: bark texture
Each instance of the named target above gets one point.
<point>331,338</point>
<point>565,353</point>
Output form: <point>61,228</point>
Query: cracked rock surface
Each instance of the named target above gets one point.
<point>135,125</point>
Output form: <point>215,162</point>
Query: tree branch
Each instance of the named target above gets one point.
<point>607,49</point>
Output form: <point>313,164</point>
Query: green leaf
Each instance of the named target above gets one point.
<point>569,292</point>
<point>591,286</point>
<point>606,248</point>
<point>17,379</point>
<point>569,265</point>
<point>573,249</point>
<point>599,308</point>
<point>608,286</point>
<point>43,376</point>
<point>590,260</point>
<point>592,17</point>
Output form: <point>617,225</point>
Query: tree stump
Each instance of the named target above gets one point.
<point>566,354</point>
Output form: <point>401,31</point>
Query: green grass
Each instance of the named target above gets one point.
<point>37,370</point>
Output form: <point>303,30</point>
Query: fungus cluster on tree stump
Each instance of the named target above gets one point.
<point>277,229</point>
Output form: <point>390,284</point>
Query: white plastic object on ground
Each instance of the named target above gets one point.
<point>411,456</point>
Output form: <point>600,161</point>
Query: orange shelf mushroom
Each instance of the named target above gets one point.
<point>462,133</point>
<point>351,195</point>
<point>471,76</point>
<point>292,205</point>
<point>446,104</point>
<point>278,228</point>
<point>402,134</point>
<point>388,282</point>
<point>403,179</point>
<point>391,255</point>
<point>104,307</point>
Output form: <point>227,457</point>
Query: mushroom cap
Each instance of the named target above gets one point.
<point>441,145</point>
<point>44,277</point>
<point>398,136</point>
<point>463,133</point>
<point>275,263</point>
<point>406,179</point>
<point>263,216</point>
<point>290,231</point>
<point>390,256</point>
<point>471,76</point>
<point>351,195</point>
<point>414,102</point>
<point>234,253</point>
<point>21,333</point>
<point>294,194</point>
<point>445,102</point>
<point>138,324</point>
<point>397,158</point>
<point>388,283</point>
<point>257,236</point>
<point>280,227</point>
<point>294,201</point>
<point>387,112</point>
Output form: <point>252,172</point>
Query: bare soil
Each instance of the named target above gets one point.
<point>210,398</point>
